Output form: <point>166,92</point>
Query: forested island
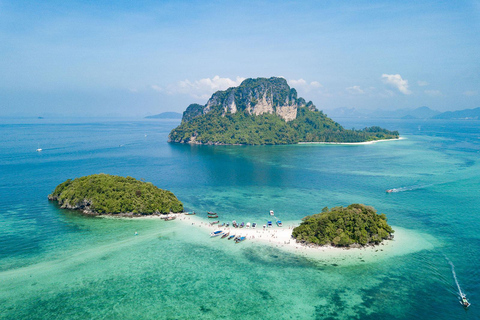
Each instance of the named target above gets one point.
<point>355,225</point>
<point>108,194</point>
<point>264,111</point>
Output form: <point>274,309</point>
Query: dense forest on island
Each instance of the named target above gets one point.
<point>344,226</point>
<point>264,111</point>
<point>103,193</point>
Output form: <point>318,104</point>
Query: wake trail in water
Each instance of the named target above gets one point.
<point>460,292</point>
<point>409,188</point>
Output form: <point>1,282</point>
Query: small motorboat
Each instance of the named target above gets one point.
<point>190,213</point>
<point>225,235</point>
<point>271,213</point>
<point>216,233</point>
<point>231,237</point>
<point>279,223</point>
<point>254,225</point>
<point>269,224</point>
<point>390,190</point>
<point>242,225</point>
<point>39,150</point>
<point>247,225</point>
<point>212,217</point>
<point>215,222</point>
<point>464,302</point>
<point>240,239</point>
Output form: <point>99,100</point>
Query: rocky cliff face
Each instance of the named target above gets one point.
<point>254,97</point>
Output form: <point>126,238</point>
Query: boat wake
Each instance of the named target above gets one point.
<point>403,189</point>
<point>461,294</point>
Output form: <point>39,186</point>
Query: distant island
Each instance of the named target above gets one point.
<point>352,226</point>
<point>165,115</point>
<point>467,114</point>
<point>421,113</point>
<point>107,194</point>
<point>264,111</point>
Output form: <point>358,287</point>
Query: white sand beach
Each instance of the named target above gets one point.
<point>405,241</point>
<point>353,143</point>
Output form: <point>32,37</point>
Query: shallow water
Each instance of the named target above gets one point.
<point>57,264</point>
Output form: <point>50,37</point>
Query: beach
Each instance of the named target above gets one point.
<point>353,143</point>
<point>405,241</point>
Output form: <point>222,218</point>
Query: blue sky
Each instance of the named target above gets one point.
<point>133,58</point>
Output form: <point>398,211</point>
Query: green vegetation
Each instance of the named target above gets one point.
<point>103,193</point>
<point>339,226</point>
<point>255,113</point>
<point>242,128</point>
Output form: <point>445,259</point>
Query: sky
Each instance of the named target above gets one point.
<point>137,58</point>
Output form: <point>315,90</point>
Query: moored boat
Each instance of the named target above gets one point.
<point>222,225</point>
<point>234,224</point>
<point>254,225</point>
<point>227,225</point>
<point>225,235</point>
<point>279,223</point>
<point>269,224</point>
<point>271,213</point>
<point>190,213</point>
<point>240,239</point>
<point>242,224</point>
<point>247,225</point>
<point>215,222</point>
<point>216,233</point>
<point>231,237</point>
<point>212,217</point>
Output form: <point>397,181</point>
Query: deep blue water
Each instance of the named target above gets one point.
<point>57,264</point>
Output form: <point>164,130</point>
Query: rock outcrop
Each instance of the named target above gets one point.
<point>254,97</point>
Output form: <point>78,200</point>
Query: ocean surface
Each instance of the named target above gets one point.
<point>56,264</point>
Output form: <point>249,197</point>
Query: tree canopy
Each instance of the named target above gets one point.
<point>103,193</point>
<point>242,128</point>
<point>344,226</point>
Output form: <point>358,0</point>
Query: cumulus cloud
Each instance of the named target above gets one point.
<point>355,90</point>
<point>422,83</point>
<point>304,85</point>
<point>470,93</point>
<point>200,89</point>
<point>396,81</point>
<point>433,93</point>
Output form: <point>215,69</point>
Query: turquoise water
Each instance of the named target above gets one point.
<point>57,264</point>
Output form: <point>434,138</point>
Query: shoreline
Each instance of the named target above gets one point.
<point>405,242</point>
<point>354,143</point>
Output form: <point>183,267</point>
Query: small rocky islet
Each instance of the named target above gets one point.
<point>104,194</point>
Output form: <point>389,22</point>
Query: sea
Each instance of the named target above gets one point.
<point>57,264</point>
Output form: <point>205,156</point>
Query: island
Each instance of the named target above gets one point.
<point>264,112</point>
<point>101,194</point>
<point>354,226</point>
<point>165,115</point>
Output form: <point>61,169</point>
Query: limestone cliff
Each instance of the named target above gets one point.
<point>253,97</point>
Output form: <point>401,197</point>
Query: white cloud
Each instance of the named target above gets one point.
<point>355,90</point>
<point>395,80</point>
<point>434,93</point>
<point>470,93</point>
<point>304,85</point>
<point>422,83</point>
<point>157,88</point>
<point>200,89</point>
